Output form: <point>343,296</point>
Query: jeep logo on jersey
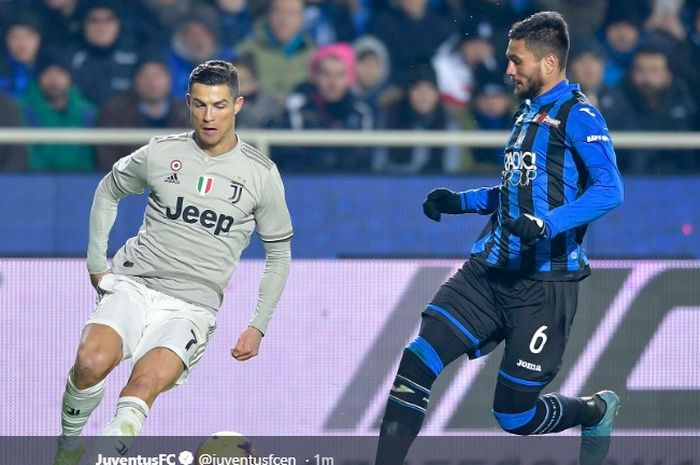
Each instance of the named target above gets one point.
<point>207,218</point>
<point>237,191</point>
<point>204,184</point>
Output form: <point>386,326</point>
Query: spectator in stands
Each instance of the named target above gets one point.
<point>235,20</point>
<point>496,16</point>
<point>373,86</point>
<point>52,101</point>
<point>622,39</point>
<point>169,13</point>
<point>101,68</point>
<point>12,157</point>
<point>328,103</point>
<point>22,39</point>
<point>651,99</point>
<point>419,109</point>
<point>263,109</point>
<point>194,42</point>
<point>492,107</point>
<point>584,17</point>
<point>461,62</point>
<point>412,33</point>
<point>61,19</point>
<point>329,21</point>
<point>666,18</point>
<point>586,65</point>
<point>148,105</point>
<point>280,47</point>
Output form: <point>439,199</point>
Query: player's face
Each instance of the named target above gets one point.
<point>524,69</point>
<point>213,112</point>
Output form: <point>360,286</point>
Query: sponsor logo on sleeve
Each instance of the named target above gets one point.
<point>598,138</point>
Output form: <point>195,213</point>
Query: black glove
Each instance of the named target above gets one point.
<point>441,200</point>
<point>527,227</point>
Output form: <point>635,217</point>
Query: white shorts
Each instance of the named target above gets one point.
<point>146,319</point>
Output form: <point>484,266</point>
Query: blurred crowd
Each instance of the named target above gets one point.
<point>337,64</point>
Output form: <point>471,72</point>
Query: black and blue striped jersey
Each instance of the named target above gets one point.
<point>559,165</point>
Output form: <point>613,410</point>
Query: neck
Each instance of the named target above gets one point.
<point>223,147</point>
<point>551,84</point>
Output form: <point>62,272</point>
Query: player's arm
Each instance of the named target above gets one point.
<point>442,200</point>
<point>275,229</point>
<point>589,137</point>
<point>128,176</point>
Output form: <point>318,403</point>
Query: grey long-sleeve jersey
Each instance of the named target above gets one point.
<point>201,213</point>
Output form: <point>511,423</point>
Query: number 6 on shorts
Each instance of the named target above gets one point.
<point>539,339</point>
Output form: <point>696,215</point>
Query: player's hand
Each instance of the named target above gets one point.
<point>247,345</point>
<point>527,227</point>
<point>441,200</point>
<point>96,278</point>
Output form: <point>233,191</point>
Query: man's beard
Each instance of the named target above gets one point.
<point>534,88</point>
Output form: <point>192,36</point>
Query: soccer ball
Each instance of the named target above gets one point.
<point>226,444</point>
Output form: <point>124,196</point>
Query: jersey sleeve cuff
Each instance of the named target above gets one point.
<point>277,238</point>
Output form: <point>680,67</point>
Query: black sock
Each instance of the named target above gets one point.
<point>405,409</point>
<point>553,412</point>
<point>556,413</point>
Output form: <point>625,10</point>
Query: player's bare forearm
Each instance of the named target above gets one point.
<point>248,344</point>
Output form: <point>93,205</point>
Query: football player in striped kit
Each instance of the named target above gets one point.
<point>521,282</point>
<point>208,191</point>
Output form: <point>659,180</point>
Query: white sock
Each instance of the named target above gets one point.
<point>128,421</point>
<point>78,405</point>
<point>120,433</point>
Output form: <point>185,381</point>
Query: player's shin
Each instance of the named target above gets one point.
<point>408,402</point>
<point>78,405</point>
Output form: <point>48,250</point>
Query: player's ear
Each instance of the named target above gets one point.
<point>551,63</point>
<point>238,104</point>
<point>188,99</point>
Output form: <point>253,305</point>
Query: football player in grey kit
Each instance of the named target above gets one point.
<point>157,304</point>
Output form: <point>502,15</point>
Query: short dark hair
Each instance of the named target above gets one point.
<point>544,32</point>
<point>215,73</point>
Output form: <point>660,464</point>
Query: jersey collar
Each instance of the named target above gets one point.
<point>555,92</point>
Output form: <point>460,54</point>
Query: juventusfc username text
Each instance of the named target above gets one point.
<point>186,458</point>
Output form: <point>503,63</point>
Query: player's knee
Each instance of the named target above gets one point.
<point>424,356</point>
<point>515,423</point>
<point>92,365</point>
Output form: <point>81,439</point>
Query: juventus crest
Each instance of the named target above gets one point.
<point>237,191</point>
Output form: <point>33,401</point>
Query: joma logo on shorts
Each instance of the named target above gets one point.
<point>207,218</point>
<point>529,366</point>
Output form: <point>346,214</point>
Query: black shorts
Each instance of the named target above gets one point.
<point>484,306</point>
